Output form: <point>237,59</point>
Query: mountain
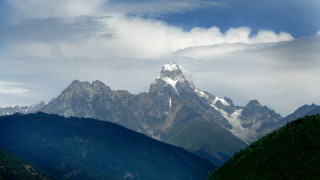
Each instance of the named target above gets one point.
<point>158,113</point>
<point>257,120</point>
<point>154,113</point>
<point>22,109</point>
<point>301,112</point>
<point>176,112</point>
<point>292,152</point>
<point>82,148</point>
<point>14,168</point>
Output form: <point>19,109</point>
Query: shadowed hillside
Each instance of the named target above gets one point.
<point>79,148</point>
<point>14,168</point>
<point>292,152</point>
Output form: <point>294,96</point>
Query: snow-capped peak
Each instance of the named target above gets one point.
<point>173,66</point>
<point>170,74</point>
<point>172,71</point>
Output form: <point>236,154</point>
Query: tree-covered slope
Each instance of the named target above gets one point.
<point>80,148</point>
<point>292,152</point>
<point>14,168</point>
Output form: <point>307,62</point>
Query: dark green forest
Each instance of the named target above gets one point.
<point>81,148</point>
<point>14,168</point>
<point>292,152</point>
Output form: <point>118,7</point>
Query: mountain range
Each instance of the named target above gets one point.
<point>176,112</point>
<point>22,109</point>
<point>291,152</point>
<point>82,148</point>
<point>173,111</point>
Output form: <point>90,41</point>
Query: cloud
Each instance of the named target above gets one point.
<point>73,8</point>
<point>13,88</point>
<point>318,33</point>
<point>14,93</point>
<point>55,8</point>
<point>156,8</point>
<point>134,37</point>
<point>80,29</point>
<point>55,43</point>
<point>52,29</point>
<point>268,36</point>
<point>280,75</point>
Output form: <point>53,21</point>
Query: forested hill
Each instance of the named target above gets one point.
<point>81,148</point>
<point>292,152</point>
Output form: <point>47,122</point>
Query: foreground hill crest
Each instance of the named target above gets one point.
<point>292,152</point>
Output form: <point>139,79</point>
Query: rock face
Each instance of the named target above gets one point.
<point>159,113</point>
<point>258,119</point>
<point>95,100</point>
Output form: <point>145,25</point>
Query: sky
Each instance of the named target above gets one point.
<point>268,50</point>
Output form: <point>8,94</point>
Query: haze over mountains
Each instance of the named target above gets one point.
<point>177,112</point>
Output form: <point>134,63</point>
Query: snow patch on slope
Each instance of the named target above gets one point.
<point>170,81</point>
<point>234,120</point>
<point>224,102</point>
<point>223,113</point>
<point>237,129</point>
<point>201,93</point>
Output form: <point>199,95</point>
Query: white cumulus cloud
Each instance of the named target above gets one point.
<point>134,37</point>
<point>267,36</point>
